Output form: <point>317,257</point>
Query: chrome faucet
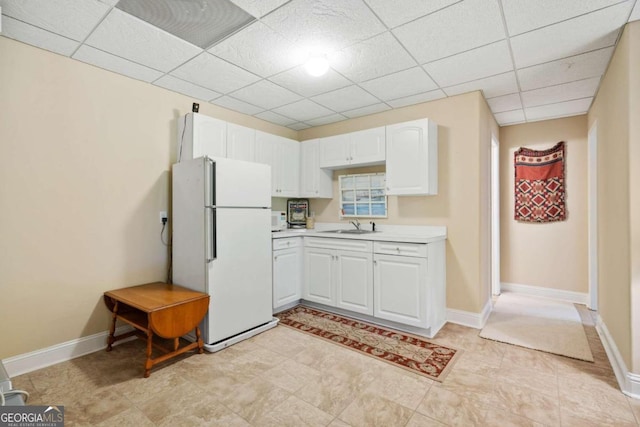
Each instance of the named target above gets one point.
<point>356,223</point>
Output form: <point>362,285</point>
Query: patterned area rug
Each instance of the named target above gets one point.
<point>405,351</point>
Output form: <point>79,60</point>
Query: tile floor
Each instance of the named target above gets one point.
<point>286,378</point>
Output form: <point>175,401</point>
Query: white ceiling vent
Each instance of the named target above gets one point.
<point>200,22</point>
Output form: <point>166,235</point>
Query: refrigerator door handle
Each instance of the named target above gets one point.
<point>210,197</point>
<point>212,247</point>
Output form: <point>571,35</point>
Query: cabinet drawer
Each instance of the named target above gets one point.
<point>400,248</point>
<point>293,242</point>
<point>341,244</point>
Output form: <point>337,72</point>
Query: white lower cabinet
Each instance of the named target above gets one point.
<point>287,272</point>
<point>409,284</point>
<point>339,273</point>
<point>354,281</point>
<point>398,282</point>
<point>400,294</point>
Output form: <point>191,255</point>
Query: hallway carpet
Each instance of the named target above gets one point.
<point>538,323</point>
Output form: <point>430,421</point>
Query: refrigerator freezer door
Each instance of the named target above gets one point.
<point>239,279</point>
<point>242,184</point>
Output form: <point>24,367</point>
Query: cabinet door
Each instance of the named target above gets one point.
<point>354,281</point>
<point>200,135</point>
<point>241,142</point>
<point>314,182</point>
<point>334,151</point>
<point>367,147</point>
<point>400,289</point>
<point>412,158</point>
<point>288,166</point>
<point>287,276</point>
<point>266,152</point>
<point>318,275</point>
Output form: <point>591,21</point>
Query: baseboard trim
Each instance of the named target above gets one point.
<point>570,296</point>
<point>38,359</point>
<point>629,382</point>
<point>468,318</point>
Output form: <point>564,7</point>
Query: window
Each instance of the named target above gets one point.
<point>363,195</point>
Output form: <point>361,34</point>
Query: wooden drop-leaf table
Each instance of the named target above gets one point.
<point>168,311</point>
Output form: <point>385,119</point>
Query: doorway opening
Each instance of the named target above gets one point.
<point>495,216</point>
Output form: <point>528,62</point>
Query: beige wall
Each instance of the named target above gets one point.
<point>616,113</point>
<point>548,255</point>
<point>463,123</point>
<point>84,172</point>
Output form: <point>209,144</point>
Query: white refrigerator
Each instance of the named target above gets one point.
<point>222,244</point>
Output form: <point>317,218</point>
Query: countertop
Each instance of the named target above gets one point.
<point>383,233</point>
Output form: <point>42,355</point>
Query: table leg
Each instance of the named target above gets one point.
<point>149,363</point>
<point>112,329</point>
<point>199,341</point>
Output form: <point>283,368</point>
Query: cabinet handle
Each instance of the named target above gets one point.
<point>398,249</point>
<point>375,262</point>
<point>288,243</point>
<point>275,258</point>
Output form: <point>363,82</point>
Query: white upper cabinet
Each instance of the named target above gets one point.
<point>283,155</point>
<point>334,151</point>
<point>288,165</point>
<point>368,147</point>
<point>412,158</point>
<point>241,143</point>
<point>200,135</point>
<point>314,181</point>
<point>362,148</point>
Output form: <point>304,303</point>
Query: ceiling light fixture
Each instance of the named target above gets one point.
<point>317,65</point>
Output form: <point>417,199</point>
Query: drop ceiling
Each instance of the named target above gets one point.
<point>532,60</point>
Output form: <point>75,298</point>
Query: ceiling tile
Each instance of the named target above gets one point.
<point>69,18</point>
<point>588,32</point>
<point>471,65</point>
<point>325,25</point>
<point>259,8</point>
<point>397,12</point>
<point>510,117</point>
<point>186,88</point>
<point>561,109</point>
<point>565,92</point>
<point>214,73</point>
<point>635,13</point>
<point>505,103</point>
<point>417,99</point>
<point>116,64</point>
<point>375,57</point>
<point>565,70</point>
<point>237,105</point>
<point>493,86</point>
<point>299,81</point>
<point>299,126</point>
<point>344,99</point>
<point>109,2</point>
<point>276,118</point>
<point>263,51</point>
<point>404,83</point>
<point>527,15</point>
<point>124,35</point>
<point>463,26</point>
<point>303,110</point>
<point>266,95</point>
<point>326,120</point>
<point>365,111</point>
<point>35,36</point>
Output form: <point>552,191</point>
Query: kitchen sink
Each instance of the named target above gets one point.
<point>349,231</point>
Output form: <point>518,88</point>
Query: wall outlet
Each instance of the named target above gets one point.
<point>163,216</point>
